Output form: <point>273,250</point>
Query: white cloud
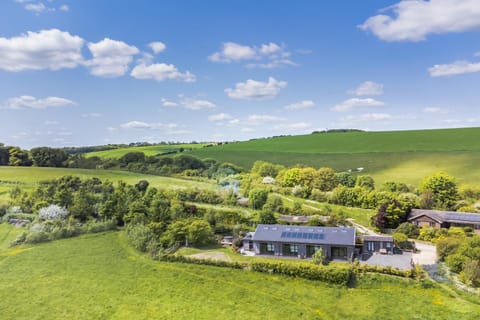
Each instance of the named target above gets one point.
<point>256,119</point>
<point>91,115</point>
<point>375,117</point>
<point>64,8</point>
<point>368,88</point>
<point>305,104</point>
<point>110,57</point>
<point>455,68</point>
<point>220,117</point>
<point>148,126</point>
<point>36,7</point>
<point>267,56</point>
<point>160,72</point>
<point>157,46</point>
<point>247,129</point>
<point>297,126</point>
<point>196,104</point>
<point>233,52</point>
<point>256,90</point>
<point>356,103</point>
<point>168,103</point>
<point>414,20</point>
<point>51,123</point>
<point>434,110</point>
<point>29,102</point>
<point>47,49</point>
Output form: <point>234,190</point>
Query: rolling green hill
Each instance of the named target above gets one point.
<point>99,276</point>
<point>28,176</point>
<point>148,150</point>
<point>403,156</point>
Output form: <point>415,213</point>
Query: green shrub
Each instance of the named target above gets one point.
<point>37,237</point>
<point>209,262</point>
<point>139,236</point>
<point>22,216</point>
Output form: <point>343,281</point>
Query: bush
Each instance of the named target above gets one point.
<point>21,216</point>
<point>139,236</point>
<point>52,212</point>
<point>37,237</point>
<point>409,229</point>
<point>209,262</point>
<point>446,247</point>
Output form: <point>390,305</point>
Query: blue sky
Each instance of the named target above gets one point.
<point>95,72</point>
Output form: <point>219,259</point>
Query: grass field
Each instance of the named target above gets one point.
<point>403,156</point>
<point>29,176</point>
<point>100,277</point>
<point>148,150</point>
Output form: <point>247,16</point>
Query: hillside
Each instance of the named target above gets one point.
<point>140,288</point>
<point>404,156</point>
<point>148,150</point>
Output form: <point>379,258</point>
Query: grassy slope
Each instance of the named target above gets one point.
<point>28,176</point>
<point>101,277</point>
<point>148,150</point>
<point>404,156</point>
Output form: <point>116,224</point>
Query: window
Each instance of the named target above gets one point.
<point>339,253</point>
<point>267,248</point>
<point>311,249</point>
<point>290,249</point>
<point>388,244</point>
<point>431,224</point>
<point>371,246</point>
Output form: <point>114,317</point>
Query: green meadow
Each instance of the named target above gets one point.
<point>99,276</point>
<point>27,177</point>
<point>402,156</point>
<point>148,150</point>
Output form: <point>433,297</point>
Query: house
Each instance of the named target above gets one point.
<point>301,241</point>
<point>380,244</point>
<point>444,219</point>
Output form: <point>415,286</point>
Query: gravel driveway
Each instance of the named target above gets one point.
<point>426,255</point>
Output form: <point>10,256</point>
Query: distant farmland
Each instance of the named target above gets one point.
<point>148,150</point>
<point>404,156</point>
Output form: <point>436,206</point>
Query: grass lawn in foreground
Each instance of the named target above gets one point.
<point>101,277</point>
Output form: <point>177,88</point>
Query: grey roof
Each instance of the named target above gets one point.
<point>304,234</point>
<point>303,219</point>
<point>446,216</point>
<point>378,238</point>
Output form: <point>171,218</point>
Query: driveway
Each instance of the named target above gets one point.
<point>426,255</point>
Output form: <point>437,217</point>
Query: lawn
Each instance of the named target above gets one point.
<point>148,150</point>
<point>100,277</point>
<point>29,176</point>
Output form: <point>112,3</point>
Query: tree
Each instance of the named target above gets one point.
<point>48,157</point>
<point>200,233</point>
<point>265,169</point>
<point>52,212</point>
<point>441,189</point>
<point>292,177</point>
<point>267,217</point>
<point>274,203</point>
<point>326,179</point>
<point>4,156</point>
<point>390,215</point>
<point>131,157</point>
<point>318,257</point>
<point>142,186</point>
<point>365,182</point>
<point>345,179</point>
<point>18,157</point>
<point>257,198</point>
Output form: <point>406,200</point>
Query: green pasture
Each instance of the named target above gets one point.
<point>99,276</point>
<point>29,176</point>
<point>148,150</point>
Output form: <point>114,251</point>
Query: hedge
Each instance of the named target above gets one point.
<point>331,274</point>
<point>208,262</point>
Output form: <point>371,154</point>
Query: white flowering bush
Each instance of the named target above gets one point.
<point>14,210</point>
<point>53,212</point>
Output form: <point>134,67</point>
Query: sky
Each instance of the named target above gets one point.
<point>94,72</point>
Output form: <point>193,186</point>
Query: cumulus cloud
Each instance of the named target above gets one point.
<point>220,117</point>
<point>368,117</point>
<point>147,126</point>
<point>368,88</point>
<point>305,104</point>
<point>47,49</point>
<point>357,103</point>
<point>256,119</point>
<point>455,68</point>
<point>29,102</point>
<point>414,20</point>
<point>160,72</point>
<point>64,8</point>
<point>434,110</point>
<point>157,46</point>
<point>267,56</point>
<point>197,104</point>
<point>256,90</point>
<point>168,103</point>
<point>91,115</point>
<point>297,126</point>
<point>110,57</point>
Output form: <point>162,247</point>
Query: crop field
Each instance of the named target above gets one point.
<point>148,150</point>
<point>100,277</point>
<point>27,177</point>
<point>402,156</point>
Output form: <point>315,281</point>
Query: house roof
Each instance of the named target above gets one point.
<point>303,219</point>
<point>446,216</point>
<point>304,234</point>
<point>378,238</point>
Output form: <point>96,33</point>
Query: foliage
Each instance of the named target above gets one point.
<point>319,258</point>
<point>257,198</point>
<point>265,169</point>
<point>409,229</point>
<point>18,157</point>
<point>345,179</point>
<point>366,182</point>
<point>48,157</point>
<point>441,189</point>
<point>53,212</point>
<point>390,214</point>
<point>267,217</point>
